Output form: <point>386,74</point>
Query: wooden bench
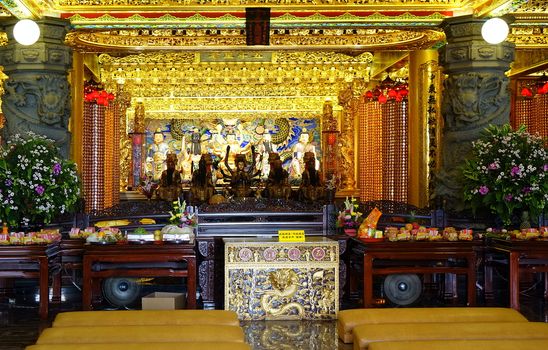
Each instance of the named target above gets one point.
<point>348,319</point>
<point>141,334</point>
<point>504,344</point>
<point>145,346</point>
<point>146,317</point>
<point>365,335</point>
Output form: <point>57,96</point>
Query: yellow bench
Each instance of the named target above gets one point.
<point>503,344</point>
<point>365,335</point>
<point>144,346</point>
<point>348,319</point>
<point>146,317</point>
<point>141,334</point>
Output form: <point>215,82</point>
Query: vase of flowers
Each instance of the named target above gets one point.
<point>36,184</point>
<point>182,215</point>
<point>507,173</point>
<point>349,218</point>
<point>148,187</point>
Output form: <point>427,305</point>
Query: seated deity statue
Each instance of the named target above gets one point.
<point>235,147</point>
<point>304,146</point>
<point>202,187</point>
<point>312,187</point>
<point>277,185</point>
<point>170,180</point>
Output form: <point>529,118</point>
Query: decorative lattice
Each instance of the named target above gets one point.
<point>370,156</point>
<point>93,156</point>
<point>539,118</point>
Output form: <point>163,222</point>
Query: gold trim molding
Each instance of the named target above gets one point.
<point>230,39</point>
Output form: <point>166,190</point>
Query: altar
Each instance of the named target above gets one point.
<point>270,280</point>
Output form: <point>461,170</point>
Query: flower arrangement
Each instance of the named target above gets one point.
<point>507,172</point>
<point>349,217</point>
<point>181,216</point>
<point>148,186</point>
<point>36,184</point>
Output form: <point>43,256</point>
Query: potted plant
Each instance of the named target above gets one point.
<point>36,184</point>
<point>507,173</point>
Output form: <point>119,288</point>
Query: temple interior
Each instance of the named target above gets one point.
<point>289,161</point>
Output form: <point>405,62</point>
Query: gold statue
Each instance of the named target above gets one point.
<point>202,187</point>
<point>311,188</point>
<point>277,185</point>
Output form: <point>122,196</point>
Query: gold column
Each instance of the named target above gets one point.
<point>423,78</point>
<point>77,112</point>
<point>349,120</point>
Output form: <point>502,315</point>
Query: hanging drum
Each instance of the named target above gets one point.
<point>402,289</point>
<point>121,291</point>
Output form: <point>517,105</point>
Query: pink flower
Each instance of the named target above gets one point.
<point>508,197</point>
<point>515,171</point>
<point>545,167</point>
<point>493,166</point>
<point>39,189</point>
<point>483,190</point>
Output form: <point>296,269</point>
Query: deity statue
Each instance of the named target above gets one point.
<point>196,142</point>
<point>235,147</point>
<point>265,147</point>
<point>297,164</point>
<point>184,162</point>
<point>170,181</point>
<point>241,176</point>
<point>202,187</point>
<point>311,188</point>
<point>157,155</point>
<point>278,179</point>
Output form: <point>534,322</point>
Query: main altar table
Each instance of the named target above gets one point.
<point>523,256</point>
<point>127,260</point>
<point>32,261</point>
<point>267,279</point>
<point>419,257</point>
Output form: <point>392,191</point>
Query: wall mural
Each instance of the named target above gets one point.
<point>189,138</point>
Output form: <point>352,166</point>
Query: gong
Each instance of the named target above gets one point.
<point>121,291</point>
<point>403,289</point>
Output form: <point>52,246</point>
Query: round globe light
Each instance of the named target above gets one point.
<point>26,32</point>
<point>495,31</point>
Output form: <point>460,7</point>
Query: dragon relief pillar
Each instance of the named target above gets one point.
<point>347,144</point>
<point>475,95</point>
<point>37,94</point>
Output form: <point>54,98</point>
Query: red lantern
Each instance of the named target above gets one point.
<point>526,92</point>
<point>404,92</point>
<point>382,99</point>
<point>392,93</point>
<point>369,95</point>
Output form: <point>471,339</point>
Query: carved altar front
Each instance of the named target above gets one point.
<point>270,280</point>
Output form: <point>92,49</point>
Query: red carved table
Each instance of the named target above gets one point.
<point>416,257</point>
<point>32,261</point>
<point>121,256</point>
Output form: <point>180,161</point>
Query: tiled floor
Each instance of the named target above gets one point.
<point>20,326</point>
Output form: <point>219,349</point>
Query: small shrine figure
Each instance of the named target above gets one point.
<point>277,185</point>
<point>265,148</point>
<point>241,176</point>
<point>311,188</point>
<point>202,187</point>
<point>170,181</point>
<point>196,142</point>
<point>184,162</point>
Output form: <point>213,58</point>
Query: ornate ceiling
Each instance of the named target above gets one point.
<point>316,46</point>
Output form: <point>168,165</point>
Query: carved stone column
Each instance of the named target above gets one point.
<point>37,95</point>
<point>475,95</point>
<point>347,140</point>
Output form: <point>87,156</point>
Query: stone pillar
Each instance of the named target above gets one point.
<point>37,94</point>
<point>475,95</point>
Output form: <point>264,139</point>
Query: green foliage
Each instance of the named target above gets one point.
<point>506,172</point>
<point>36,184</point>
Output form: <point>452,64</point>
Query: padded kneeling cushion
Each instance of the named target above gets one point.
<point>503,344</point>
<point>348,319</point>
<point>365,335</point>
<point>146,317</point>
<point>141,334</point>
<point>144,346</point>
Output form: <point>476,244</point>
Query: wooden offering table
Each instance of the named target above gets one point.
<point>138,260</point>
<point>32,261</point>
<point>419,257</point>
<point>523,256</point>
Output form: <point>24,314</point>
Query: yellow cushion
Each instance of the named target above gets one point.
<point>505,344</point>
<point>141,334</point>
<point>144,346</point>
<point>348,319</point>
<point>371,333</point>
<point>146,317</point>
